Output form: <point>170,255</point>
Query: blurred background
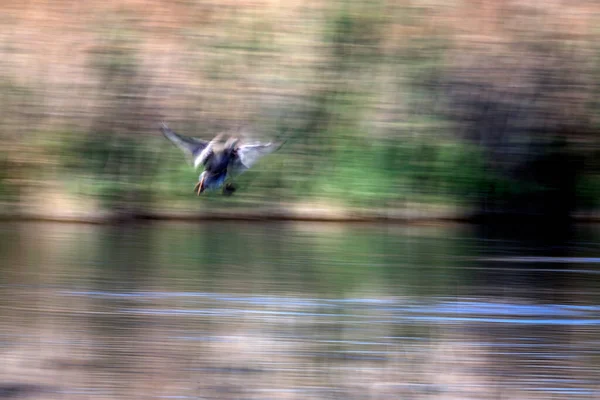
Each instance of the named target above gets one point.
<point>442,110</point>
<point>479,107</point>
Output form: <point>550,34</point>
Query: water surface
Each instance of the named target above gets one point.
<point>275,310</point>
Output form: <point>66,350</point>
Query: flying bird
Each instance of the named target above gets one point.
<point>221,161</point>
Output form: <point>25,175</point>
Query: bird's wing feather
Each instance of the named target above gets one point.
<point>192,147</point>
<point>246,156</point>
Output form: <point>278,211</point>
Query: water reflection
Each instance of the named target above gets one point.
<point>273,311</point>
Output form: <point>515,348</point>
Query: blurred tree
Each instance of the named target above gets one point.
<point>516,110</point>
<point>114,151</point>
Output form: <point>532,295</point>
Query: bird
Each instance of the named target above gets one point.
<point>220,161</point>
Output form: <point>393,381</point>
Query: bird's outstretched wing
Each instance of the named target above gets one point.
<point>245,156</point>
<point>196,150</point>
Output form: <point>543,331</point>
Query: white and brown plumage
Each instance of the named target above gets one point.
<point>220,161</point>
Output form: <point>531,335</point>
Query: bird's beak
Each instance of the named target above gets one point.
<point>199,188</point>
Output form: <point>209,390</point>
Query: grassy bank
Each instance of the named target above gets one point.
<point>385,105</point>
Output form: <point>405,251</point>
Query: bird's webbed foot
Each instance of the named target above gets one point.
<point>228,189</point>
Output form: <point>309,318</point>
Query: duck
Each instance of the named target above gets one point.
<point>220,161</point>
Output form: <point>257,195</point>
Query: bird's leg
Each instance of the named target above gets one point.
<point>228,189</point>
<point>199,188</point>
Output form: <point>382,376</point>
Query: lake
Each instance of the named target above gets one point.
<point>249,310</point>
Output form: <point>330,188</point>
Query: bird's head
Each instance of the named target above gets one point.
<point>231,143</point>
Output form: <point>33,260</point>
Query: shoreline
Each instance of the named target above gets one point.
<point>269,214</point>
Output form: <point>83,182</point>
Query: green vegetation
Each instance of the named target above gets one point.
<point>377,103</point>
